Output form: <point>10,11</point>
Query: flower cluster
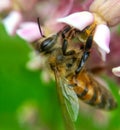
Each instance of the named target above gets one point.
<point>22,16</point>
<point>101,13</point>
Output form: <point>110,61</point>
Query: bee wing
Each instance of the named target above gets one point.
<point>70,98</point>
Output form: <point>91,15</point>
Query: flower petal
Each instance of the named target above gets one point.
<point>116,71</point>
<point>25,6</point>
<point>12,21</point>
<point>29,31</point>
<point>102,37</point>
<point>35,62</point>
<point>103,54</point>
<point>78,20</point>
<point>5,4</point>
<point>109,10</point>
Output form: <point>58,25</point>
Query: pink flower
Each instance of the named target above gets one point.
<point>80,20</point>
<point>50,25</point>
<point>17,13</point>
<point>12,21</point>
<point>5,5</point>
<point>29,31</point>
<point>22,20</point>
<point>104,14</point>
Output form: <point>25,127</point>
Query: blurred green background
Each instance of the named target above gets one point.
<point>28,103</point>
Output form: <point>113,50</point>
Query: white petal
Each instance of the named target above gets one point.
<point>29,31</point>
<point>116,71</point>
<point>102,37</point>
<point>79,20</point>
<point>12,21</point>
<point>103,54</point>
<point>35,63</point>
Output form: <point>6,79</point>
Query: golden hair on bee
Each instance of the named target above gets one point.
<point>69,66</point>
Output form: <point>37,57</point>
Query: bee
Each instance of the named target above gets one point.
<point>69,68</point>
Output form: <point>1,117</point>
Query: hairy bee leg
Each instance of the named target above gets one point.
<point>85,54</point>
<point>65,42</point>
<point>64,48</point>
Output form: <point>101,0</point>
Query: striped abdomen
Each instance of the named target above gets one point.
<point>92,92</point>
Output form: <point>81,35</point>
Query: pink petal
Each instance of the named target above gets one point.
<point>116,71</point>
<point>5,4</point>
<point>63,8</point>
<point>102,37</point>
<point>29,31</point>
<point>27,5</point>
<point>12,21</point>
<point>78,20</point>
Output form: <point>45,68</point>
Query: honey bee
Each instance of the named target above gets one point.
<point>71,74</point>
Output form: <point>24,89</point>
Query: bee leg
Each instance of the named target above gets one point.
<point>65,42</point>
<point>64,48</point>
<point>85,54</point>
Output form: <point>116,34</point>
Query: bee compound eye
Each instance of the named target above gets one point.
<point>48,43</point>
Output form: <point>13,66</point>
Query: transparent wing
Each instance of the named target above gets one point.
<point>70,98</point>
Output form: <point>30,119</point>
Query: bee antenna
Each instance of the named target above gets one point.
<point>38,21</point>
